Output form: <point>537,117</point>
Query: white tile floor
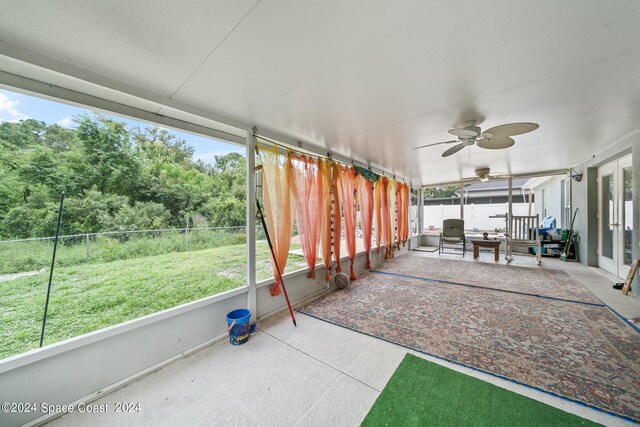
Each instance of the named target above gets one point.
<point>316,374</point>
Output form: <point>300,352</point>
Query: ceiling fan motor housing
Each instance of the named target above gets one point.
<point>495,138</point>
<point>482,172</point>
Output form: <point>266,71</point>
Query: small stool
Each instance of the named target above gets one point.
<point>481,243</point>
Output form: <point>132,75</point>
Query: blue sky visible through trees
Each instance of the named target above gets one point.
<point>15,106</point>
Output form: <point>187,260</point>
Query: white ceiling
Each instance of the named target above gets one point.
<point>369,79</point>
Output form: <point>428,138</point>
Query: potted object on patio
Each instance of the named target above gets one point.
<point>239,326</point>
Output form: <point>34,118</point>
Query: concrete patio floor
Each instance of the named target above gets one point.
<point>317,374</point>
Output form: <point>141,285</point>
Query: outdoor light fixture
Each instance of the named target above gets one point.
<point>575,175</point>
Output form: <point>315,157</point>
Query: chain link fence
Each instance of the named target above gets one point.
<point>26,255</point>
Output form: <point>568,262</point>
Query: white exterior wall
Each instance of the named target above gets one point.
<point>551,205</point>
<point>475,216</point>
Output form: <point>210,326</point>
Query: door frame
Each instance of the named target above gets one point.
<point>623,164</point>
<point>615,169</point>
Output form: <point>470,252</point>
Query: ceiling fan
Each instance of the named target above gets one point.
<point>484,174</point>
<point>496,138</point>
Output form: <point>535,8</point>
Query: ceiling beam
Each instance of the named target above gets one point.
<point>517,175</point>
<point>67,69</point>
<point>36,87</point>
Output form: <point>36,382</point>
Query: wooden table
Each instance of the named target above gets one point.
<point>481,243</point>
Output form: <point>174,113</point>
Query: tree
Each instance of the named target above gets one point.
<point>30,221</point>
<point>227,206</point>
<point>24,133</point>
<point>183,192</point>
<point>94,212</point>
<point>60,138</point>
<point>40,166</point>
<point>159,145</point>
<point>114,178</point>
<point>225,211</point>
<point>440,192</point>
<point>111,164</point>
<point>141,216</point>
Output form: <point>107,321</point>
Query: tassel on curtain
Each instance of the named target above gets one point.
<point>278,190</point>
<point>365,197</point>
<point>308,184</point>
<point>377,206</point>
<point>325,227</point>
<point>348,201</point>
<point>336,227</point>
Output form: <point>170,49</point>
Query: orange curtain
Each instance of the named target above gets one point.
<point>400,210</point>
<point>387,226</point>
<point>348,201</point>
<point>365,197</point>
<point>278,190</point>
<point>325,227</point>
<point>308,184</point>
<point>377,200</point>
<point>406,199</point>
<point>336,213</point>
<point>393,212</point>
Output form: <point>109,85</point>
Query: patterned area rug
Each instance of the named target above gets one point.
<point>536,280</point>
<point>579,351</point>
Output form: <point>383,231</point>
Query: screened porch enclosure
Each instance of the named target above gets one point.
<point>412,95</point>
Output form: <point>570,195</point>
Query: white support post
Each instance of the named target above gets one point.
<point>420,214</point>
<point>570,200</point>
<point>508,249</point>
<point>510,197</point>
<point>251,225</point>
<point>462,201</point>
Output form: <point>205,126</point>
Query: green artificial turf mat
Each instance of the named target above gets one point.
<point>422,393</point>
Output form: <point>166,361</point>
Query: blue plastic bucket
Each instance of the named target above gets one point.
<point>238,322</point>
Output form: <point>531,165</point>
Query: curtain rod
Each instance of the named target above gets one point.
<point>301,150</point>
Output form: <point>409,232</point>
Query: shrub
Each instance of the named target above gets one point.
<point>109,249</point>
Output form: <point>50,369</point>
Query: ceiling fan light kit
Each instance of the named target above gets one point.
<point>495,138</point>
<point>483,174</point>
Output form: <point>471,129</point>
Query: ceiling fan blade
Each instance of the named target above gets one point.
<point>453,150</point>
<point>465,133</point>
<point>436,143</point>
<point>496,143</point>
<point>512,129</point>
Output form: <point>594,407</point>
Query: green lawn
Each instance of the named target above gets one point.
<point>34,255</point>
<point>92,296</point>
